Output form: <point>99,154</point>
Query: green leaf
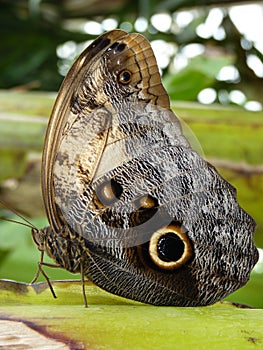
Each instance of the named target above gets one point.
<point>14,163</point>
<point>199,74</point>
<point>112,322</point>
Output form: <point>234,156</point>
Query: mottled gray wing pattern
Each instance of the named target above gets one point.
<point>62,119</point>
<point>159,224</point>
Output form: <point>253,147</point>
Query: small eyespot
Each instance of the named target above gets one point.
<point>146,202</point>
<point>170,247</point>
<point>145,207</point>
<point>109,192</point>
<point>120,47</point>
<point>100,43</point>
<point>113,46</point>
<point>125,77</point>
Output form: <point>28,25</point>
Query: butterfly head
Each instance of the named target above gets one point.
<point>39,237</point>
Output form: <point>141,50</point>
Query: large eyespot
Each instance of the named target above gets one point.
<point>170,247</point>
<point>125,77</point>
<point>109,192</point>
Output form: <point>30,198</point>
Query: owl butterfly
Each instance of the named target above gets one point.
<point>130,204</point>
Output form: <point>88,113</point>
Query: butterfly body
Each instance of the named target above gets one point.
<point>129,202</point>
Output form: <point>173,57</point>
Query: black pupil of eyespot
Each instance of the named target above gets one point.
<point>170,247</point>
<point>125,76</point>
<point>116,188</point>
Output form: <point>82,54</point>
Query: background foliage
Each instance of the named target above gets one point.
<point>33,31</point>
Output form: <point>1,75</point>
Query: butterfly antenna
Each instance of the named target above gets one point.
<point>26,222</point>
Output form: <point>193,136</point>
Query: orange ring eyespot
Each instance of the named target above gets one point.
<point>125,77</point>
<point>170,248</point>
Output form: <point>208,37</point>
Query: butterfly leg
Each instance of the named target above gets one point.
<point>83,285</point>
<point>40,270</point>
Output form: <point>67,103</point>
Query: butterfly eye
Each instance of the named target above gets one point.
<point>170,247</point>
<point>125,77</point>
<point>109,192</point>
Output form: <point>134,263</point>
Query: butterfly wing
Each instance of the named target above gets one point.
<point>159,224</point>
<point>62,118</point>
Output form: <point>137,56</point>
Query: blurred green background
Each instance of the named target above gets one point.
<point>210,56</point>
